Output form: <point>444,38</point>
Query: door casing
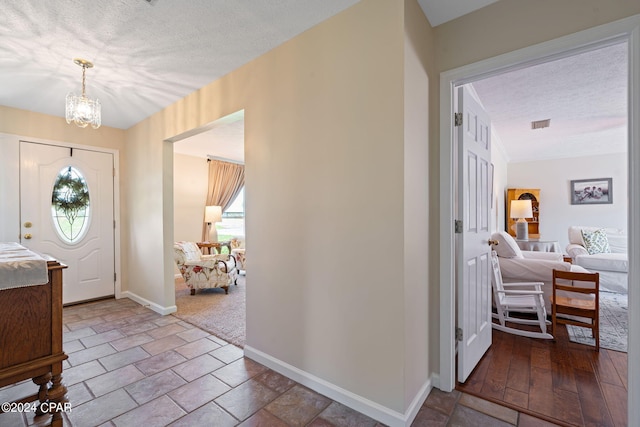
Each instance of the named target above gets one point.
<point>116,199</point>
<point>627,29</point>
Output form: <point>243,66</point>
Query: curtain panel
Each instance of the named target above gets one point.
<point>226,179</point>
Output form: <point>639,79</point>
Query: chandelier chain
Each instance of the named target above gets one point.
<point>84,71</point>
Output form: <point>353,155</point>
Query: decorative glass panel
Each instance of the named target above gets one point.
<point>70,205</point>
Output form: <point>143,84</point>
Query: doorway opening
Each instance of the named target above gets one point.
<point>222,312</point>
<point>624,30</point>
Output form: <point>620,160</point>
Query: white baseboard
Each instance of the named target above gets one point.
<point>418,400</point>
<point>435,380</point>
<point>146,303</point>
<point>361,404</point>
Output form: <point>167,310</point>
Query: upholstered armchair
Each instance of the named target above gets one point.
<point>237,250</point>
<point>204,271</point>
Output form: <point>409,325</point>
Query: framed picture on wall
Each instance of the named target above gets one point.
<point>596,191</point>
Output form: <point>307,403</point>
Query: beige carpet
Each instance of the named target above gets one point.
<point>210,309</point>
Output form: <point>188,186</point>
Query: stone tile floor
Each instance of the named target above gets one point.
<point>129,366</point>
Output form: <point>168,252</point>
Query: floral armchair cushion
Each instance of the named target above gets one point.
<point>204,271</point>
<point>237,250</point>
<point>236,243</point>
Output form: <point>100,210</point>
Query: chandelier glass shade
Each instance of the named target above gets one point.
<point>81,109</point>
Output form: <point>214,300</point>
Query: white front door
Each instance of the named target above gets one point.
<point>66,211</point>
<point>474,207</point>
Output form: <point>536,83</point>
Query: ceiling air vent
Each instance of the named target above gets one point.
<point>540,124</point>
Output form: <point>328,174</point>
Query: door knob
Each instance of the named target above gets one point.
<point>492,242</point>
<point>27,236</point>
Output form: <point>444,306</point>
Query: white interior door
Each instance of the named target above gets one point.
<point>80,233</point>
<point>474,207</point>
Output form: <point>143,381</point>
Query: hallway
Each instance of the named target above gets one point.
<point>128,364</point>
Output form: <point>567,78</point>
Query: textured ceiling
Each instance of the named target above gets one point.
<point>441,11</point>
<point>146,56</point>
<point>584,95</point>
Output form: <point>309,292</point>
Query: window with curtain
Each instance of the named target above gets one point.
<point>232,224</point>
<point>226,182</point>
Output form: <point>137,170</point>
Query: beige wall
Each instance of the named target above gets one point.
<point>325,185</point>
<point>148,201</point>
<point>508,25</point>
<point>190,180</point>
<point>36,125</point>
<point>419,70</point>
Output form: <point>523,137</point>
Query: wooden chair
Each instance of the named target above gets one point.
<point>524,298</point>
<point>584,303</point>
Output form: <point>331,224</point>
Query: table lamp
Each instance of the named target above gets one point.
<point>521,209</point>
<point>212,214</point>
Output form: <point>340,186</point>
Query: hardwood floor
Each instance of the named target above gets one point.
<point>559,381</point>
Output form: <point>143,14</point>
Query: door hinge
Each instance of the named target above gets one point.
<point>114,276</point>
<point>458,334</point>
<point>114,224</point>
<point>458,119</point>
<point>458,226</point>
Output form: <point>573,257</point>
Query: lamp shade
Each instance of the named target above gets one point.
<point>521,209</point>
<point>213,214</point>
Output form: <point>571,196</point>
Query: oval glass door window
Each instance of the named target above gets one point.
<point>70,206</point>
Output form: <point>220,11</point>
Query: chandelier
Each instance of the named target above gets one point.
<point>83,110</point>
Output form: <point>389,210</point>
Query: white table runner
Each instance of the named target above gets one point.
<point>21,267</point>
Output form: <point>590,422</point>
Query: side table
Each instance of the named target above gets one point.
<point>205,247</point>
<point>539,245</point>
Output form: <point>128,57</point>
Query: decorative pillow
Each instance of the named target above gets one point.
<point>596,242</point>
<point>507,246</point>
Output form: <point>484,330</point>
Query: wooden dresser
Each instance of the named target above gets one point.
<point>31,341</point>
